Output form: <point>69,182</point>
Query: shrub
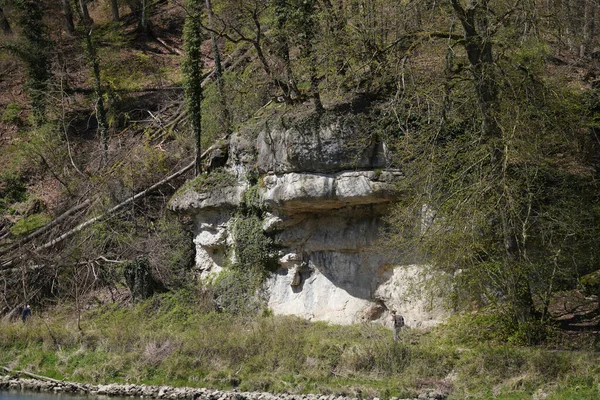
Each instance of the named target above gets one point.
<point>139,278</point>
<point>171,252</point>
<point>12,190</point>
<point>236,291</point>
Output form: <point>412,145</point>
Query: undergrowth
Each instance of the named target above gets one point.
<point>179,339</point>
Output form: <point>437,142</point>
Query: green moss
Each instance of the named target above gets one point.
<point>591,282</point>
<point>216,179</point>
<point>29,224</point>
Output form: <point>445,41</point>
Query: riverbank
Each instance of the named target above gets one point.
<point>134,350</point>
<point>9,382</point>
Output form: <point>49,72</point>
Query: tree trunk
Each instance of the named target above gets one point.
<point>139,8</point>
<point>283,47</point>
<point>85,15</point>
<point>588,28</point>
<point>4,23</point>
<point>114,5</point>
<point>478,46</point>
<point>100,110</point>
<point>218,69</point>
<point>68,16</point>
<point>192,74</point>
<point>144,21</point>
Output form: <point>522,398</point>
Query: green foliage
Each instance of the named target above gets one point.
<point>113,33</point>
<point>491,197</point>
<point>41,149</point>
<point>497,327</point>
<point>253,249</point>
<point>212,115</point>
<point>12,190</point>
<point>236,291</point>
<point>144,166</point>
<point>591,282</point>
<point>247,93</point>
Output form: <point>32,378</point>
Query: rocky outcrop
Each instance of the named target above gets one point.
<point>326,187</point>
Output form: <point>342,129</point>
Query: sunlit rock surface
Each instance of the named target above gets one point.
<point>327,191</point>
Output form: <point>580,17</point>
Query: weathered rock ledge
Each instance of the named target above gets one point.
<point>168,392</point>
<point>326,185</point>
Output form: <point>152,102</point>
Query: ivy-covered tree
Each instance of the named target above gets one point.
<point>218,70</point>
<point>192,72</point>
<point>90,49</point>
<point>35,52</point>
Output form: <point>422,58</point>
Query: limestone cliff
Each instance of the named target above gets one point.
<point>326,185</point>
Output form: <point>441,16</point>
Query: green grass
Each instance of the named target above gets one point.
<point>174,339</point>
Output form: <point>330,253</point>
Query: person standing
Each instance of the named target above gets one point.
<point>398,323</point>
<point>26,313</point>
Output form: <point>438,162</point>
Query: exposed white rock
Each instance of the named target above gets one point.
<point>226,197</point>
<point>211,240</point>
<point>330,147</point>
<point>315,298</point>
<point>327,195</point>
<point>312,191</point>
<point>408,291</point>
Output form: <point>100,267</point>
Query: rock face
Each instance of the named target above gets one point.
<point>326,190</point>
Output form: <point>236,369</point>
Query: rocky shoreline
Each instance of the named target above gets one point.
<point>9,382</point>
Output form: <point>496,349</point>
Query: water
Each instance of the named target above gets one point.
<point>17,395</point>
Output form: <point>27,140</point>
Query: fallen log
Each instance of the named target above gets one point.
<point>42,378</point>
<point>46,227</point>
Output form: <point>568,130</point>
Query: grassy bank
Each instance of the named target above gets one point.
<point>173,339</point>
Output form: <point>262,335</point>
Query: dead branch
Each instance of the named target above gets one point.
<point>40,377</point>
<point>9,263</point>
<point>172,50</point>
<point>46,227</point>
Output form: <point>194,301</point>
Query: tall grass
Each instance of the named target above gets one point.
<point>175,339</point>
